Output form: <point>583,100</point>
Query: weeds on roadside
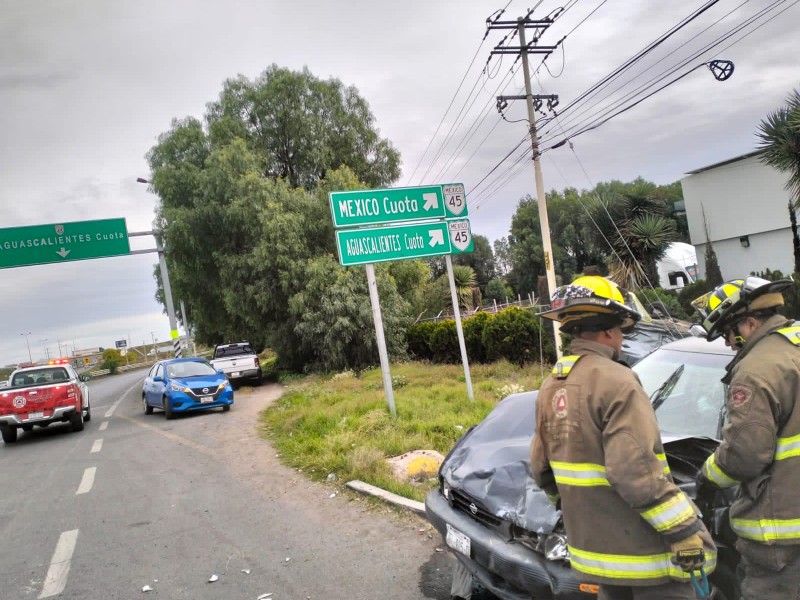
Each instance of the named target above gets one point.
<point>341,424</point>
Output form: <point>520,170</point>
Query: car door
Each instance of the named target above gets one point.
<point>159,385</point>
<point>73,375</point>
<point>147,384</point>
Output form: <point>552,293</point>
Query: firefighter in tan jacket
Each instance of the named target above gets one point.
<point>598,449</point>
<point>760,447</point>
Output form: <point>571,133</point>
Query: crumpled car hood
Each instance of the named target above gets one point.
<point>491,464</point>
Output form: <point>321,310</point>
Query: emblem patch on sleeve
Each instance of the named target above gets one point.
<point>740,395</point>
<point>560,403</point>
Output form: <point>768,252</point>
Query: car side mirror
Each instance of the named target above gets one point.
<point>220,371</point>
<point>85,377</point>
<point>158,378</point>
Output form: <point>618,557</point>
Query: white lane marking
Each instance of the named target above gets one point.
<point>97,446</point>
<point>111,410</point>
<point>56,578</point>
<point>87,481</point>
<point>103,426</point>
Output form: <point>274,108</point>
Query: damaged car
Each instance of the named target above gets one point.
<point>506,534</point>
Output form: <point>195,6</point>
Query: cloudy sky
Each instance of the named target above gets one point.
<point>86,86</point>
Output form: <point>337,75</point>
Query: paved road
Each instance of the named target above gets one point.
<point>136,500</point>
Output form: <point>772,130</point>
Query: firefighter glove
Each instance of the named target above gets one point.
<point>688,553</point>
<point>704,491</point>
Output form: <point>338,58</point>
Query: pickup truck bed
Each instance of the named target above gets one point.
<point>238,361</point>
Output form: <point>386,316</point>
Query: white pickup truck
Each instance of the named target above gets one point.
<point>238,361</point>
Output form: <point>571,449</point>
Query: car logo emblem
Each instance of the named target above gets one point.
<point>473,509</point>
<point>205,390</point>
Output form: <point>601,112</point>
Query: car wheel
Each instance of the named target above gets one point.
<point>9,434</point>
<point>226,408</point>
<point>88,416</point>
<point>148,410</point>
<point>76,420</point>
<point>167,408</point>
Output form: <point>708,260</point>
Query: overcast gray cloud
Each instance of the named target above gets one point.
<point>87,86</point>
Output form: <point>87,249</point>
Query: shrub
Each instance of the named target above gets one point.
<point>473,336</point>
<point>444,342</point>
<point>515,334</point>
<point>418,340</point>
<point>652,298</point>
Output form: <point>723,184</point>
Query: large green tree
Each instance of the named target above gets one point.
<point>244,217</point>
<point>301,127</point>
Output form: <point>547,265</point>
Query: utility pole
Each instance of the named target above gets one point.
<point>538,27</point>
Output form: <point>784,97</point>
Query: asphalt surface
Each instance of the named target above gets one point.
<point>136,501</point>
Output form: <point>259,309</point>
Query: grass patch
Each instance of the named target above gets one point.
<point>341,423</point>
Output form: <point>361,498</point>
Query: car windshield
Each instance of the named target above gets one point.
<point>189,369</point>
<point>685,389</point>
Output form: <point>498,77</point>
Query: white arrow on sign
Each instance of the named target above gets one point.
<point>437,238</point>
<point>63,253</point>
<point>431,201</point>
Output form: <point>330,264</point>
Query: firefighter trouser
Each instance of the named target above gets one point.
<point>762,583</point>
<point>667,591</point>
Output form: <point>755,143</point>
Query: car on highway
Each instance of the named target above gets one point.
<point>181,385</point>
<point>504,530</point>
<point>40,395</point>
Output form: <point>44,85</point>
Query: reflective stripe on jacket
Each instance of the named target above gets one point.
<point>598,446</point>
<point>760,447</point>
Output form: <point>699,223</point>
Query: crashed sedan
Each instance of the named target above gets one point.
<point>503,529</point>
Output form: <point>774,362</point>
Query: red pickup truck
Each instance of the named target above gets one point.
<point>41,395</point>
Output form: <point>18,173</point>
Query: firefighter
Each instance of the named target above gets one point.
<point>760,447</point>
<point>597,453</point>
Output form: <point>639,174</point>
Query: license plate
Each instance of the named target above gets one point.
<point>205,399</point>
<point>457,540</point>
<point>235,374</point>
<point>36,415</point>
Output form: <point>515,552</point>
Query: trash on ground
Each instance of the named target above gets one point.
<point>246,571</point>
<point>147,588</point>
<point>331,476</point>
<point>264,596</point>
<point>213,578</point>
<point>333,495</point>
<point>288,558</point>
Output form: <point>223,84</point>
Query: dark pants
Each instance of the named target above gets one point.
<point>667,591</point>
<point>765,580</point>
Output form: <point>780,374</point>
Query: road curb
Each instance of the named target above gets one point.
<point>371,490</point>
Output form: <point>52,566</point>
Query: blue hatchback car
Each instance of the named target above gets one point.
<point>182,385</point>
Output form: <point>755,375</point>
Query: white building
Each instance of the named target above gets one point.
<point>746,213</point>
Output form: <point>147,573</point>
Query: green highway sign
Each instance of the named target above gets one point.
<point>62,242</point>
<point>395,205</point>
<point>399,242</point>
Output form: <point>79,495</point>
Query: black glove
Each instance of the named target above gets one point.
<point>704,491</point>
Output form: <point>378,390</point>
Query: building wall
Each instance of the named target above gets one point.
<point>770,250</point>
<point>742,198</point>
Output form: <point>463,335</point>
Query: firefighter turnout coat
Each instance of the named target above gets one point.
<point>760,446</point>
<point>597,445</point>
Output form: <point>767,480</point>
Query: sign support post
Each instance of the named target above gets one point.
<point>459,330</point>
<point>372,283</point>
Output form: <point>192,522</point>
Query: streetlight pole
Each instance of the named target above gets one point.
<point>28,344</point>
<point>44,346</point>
<point>162,263</point>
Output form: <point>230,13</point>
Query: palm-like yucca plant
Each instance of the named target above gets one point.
<point>466,287</point>
<point>636,235</point>
<point>779,142</point>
